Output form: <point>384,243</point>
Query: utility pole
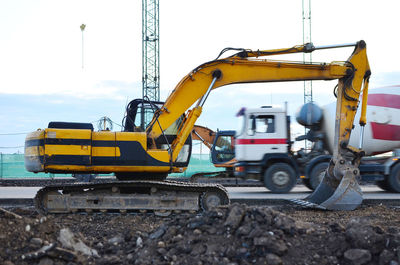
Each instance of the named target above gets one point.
<point>83,26</point>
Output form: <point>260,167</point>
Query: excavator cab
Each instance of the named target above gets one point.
<point>138,116</point>
<point>223,149</point>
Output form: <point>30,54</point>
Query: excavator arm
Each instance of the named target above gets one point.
<point>203,134</point>
<point>339,189</point>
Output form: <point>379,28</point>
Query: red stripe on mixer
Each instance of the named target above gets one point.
<point>385,131</point>
<point>384,100</point>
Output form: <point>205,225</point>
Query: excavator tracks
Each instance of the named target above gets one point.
<point>162,197</point>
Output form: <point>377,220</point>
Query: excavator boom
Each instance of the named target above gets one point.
<point>339,190</point>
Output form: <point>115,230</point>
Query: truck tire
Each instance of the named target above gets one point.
<point>394,179</point>
<point>383,184</point>
<point>306,183</point>
<point>280,178</point>
<point>317,174</point>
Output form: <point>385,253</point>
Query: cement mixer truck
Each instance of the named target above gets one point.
<point>263,147</point>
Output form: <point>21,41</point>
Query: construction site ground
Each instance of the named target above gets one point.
<point>238,234</point>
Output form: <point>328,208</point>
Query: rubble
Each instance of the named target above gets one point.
<point>69,240</point>
<point>234,235</point>
<point>358,256</point>
<point>39,253</point>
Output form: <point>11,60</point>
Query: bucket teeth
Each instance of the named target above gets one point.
<point>338,194</point>
<point>307,204</point>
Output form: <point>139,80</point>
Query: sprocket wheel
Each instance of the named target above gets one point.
<point>209,200</point>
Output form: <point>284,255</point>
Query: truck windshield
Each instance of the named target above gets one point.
<point>262,124</point>
<point>241,125</point>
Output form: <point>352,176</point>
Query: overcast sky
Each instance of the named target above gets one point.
<point>41,54</point>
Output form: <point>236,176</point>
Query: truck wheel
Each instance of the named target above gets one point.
<point>383,184</point>
<point>394,179</point>
<point>280,178</point>
<point>317,174</point>
<point>306,183</point>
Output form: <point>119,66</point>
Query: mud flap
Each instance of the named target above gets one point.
<point>332,194</point>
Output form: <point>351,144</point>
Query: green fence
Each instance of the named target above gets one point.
<point>12,166</point>
<point>198,163</point>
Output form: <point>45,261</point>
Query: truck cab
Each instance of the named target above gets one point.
<point>223,149</point>
<point>262,148</point>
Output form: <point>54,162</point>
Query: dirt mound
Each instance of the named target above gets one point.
<point>237,234</point>
<point>260,235</point>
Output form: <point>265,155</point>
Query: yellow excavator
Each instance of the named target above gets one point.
<point>142,155</point>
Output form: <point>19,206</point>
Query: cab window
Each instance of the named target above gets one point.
<point>261,124</point>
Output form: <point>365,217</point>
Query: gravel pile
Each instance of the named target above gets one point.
<point>237,234</point>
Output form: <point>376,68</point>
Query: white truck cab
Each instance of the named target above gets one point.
<point>263,131</point>
<point>262,148</point>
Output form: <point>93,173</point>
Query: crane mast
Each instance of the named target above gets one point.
<point>150,55</point>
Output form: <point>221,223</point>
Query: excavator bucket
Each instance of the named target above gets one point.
<point>334,194</point>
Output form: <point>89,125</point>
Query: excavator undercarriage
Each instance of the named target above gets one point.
<point>162,197</point>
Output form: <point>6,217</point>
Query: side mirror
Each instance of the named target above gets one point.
<point>253,124</point>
